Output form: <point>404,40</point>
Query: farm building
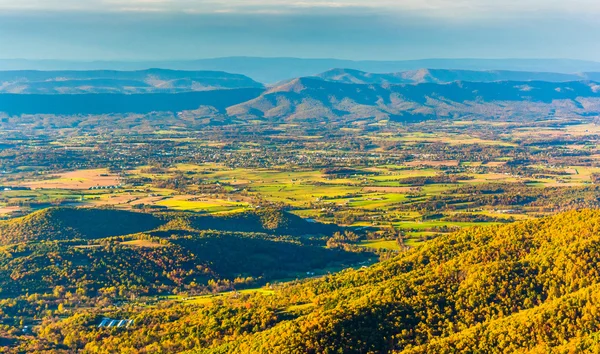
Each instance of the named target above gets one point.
<point>111,323</point>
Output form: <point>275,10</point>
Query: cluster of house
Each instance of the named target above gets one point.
<point>110,323</point>
<point>13,188</point>
<point>105,187</point>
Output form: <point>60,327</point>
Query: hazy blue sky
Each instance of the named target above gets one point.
<point>352,29</point>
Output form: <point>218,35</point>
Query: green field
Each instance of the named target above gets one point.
<point>381,244</point>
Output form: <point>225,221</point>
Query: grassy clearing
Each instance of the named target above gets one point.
<point>424,225</point>
<point>299,308</point>
<point>142,244</point>
<point>186,203</point>
<point>381,244</point>
<point>209,299</point>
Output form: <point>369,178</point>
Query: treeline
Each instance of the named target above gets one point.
<point>470,217</point>
<point>549,199</point>
<point>438,179</point>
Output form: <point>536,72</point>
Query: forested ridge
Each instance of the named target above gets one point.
<point>530,286</point>
<point>69,223</point>
<point>95,251</point>
<point>88,224</point>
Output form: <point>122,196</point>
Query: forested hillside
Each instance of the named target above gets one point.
<point>143,265</point>
<point>88,224</point>
<point>478,289</point>
<point>528,287</point>
<point>68,223</point>
<point>90,251</point>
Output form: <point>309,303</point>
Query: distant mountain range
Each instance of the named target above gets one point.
<point>271,70</point>
<point>107,81</point>
<point>335,95</point>
<point>179,81</point>
<point>439,76</point>
<point>316,99</point>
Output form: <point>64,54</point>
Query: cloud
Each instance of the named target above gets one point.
<point>453,9</point>
<point>374,29</point>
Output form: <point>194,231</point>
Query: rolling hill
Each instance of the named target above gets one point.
<point>140,253</point>
<point>89,224</point>
<point>269,221</point>
<point>67,224</point>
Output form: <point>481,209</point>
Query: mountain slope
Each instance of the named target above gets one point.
<point>462,292</point>
<point>561,325</point>
<point>106,81</point>
<point>318,100</point>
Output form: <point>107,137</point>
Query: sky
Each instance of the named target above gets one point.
<point>348,29</point>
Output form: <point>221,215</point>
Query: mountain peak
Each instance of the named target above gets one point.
<point>296,85</point>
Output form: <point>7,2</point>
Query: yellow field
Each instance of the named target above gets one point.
<point>449,163</point>
<point>208,299</point>
<point>190,203</point>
